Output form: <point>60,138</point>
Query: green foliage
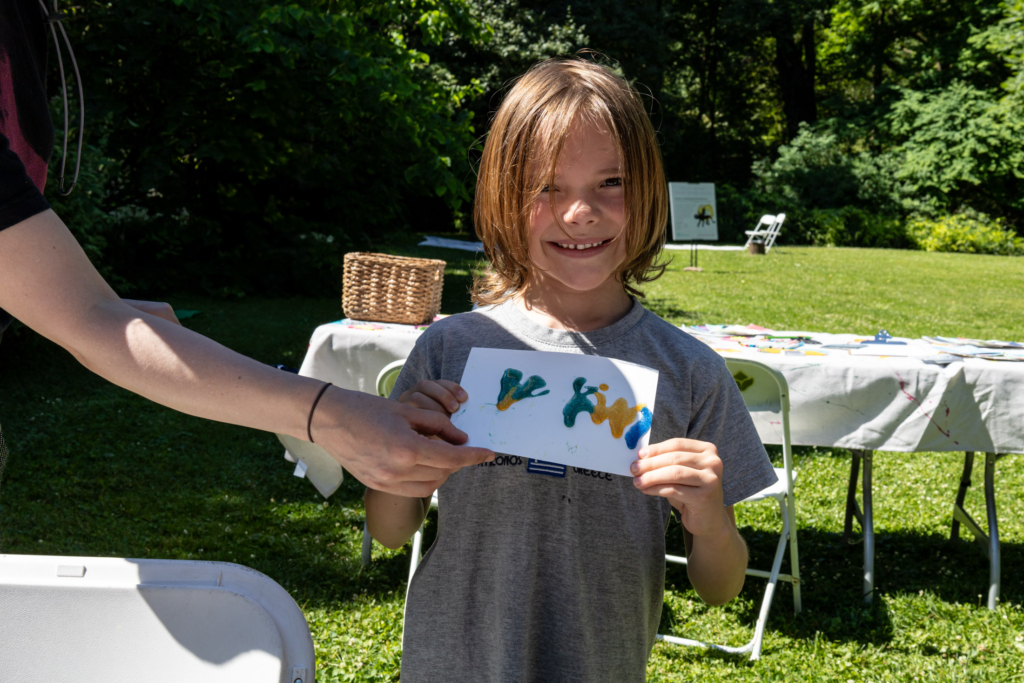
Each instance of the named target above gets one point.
<point>966,234</point>
<point>957,146</point>
<point>256,141</point>
<point>1005,38</point>
<point>831,195</point>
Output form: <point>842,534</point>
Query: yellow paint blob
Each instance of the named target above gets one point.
<point>507,400</point>
<point>620,415</point>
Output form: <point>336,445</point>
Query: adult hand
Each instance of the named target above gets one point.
<point>159,309</point>
<point>689,474</point>
<point>387,446</point>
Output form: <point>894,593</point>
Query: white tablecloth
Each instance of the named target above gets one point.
<point>878,403</point>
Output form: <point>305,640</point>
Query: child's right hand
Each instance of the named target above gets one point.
<point>440,396</point>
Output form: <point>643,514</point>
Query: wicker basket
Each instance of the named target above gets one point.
<point>391,289</point>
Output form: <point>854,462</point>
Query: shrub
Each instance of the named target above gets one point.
<point>847,226</point>
<point>964,233</point>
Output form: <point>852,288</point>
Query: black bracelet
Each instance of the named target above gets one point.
<point>309,422</point>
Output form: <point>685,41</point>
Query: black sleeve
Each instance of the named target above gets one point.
<point>19,198</point>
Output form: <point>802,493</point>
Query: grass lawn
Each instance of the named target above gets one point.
<point>95,470</point>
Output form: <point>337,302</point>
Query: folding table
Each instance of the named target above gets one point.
<point>863,403</point>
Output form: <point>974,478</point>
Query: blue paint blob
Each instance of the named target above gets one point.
<point>639,428</point>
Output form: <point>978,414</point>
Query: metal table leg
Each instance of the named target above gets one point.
<point>869,531</point>
<point>989,542</point>
<point>865,518</point>
<point>993,529</point>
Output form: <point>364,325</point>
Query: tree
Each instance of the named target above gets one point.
<point>256,139</point>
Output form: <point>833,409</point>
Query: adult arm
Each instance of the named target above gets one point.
<point>392,520</point>
<point>48,283</point>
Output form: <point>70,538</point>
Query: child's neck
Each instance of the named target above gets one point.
<point>572,311</point>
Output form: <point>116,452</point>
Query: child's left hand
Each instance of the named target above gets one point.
<point>689,474</point>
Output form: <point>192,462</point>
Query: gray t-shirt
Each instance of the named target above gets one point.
<point>547,573</point>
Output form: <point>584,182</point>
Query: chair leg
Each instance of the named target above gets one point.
<point>794,554</point>
<point>769,591</point>
<point>852,508</point>
<point>965,483</point>
<point>367,545</point>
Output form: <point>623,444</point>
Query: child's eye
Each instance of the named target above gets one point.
<point>613,182</point>
<point>544,189</point>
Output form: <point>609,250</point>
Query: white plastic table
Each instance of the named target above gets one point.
<point>863,403</point>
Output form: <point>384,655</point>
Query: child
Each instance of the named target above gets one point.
<point>535,577</point>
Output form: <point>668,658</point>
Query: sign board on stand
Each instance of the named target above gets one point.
<point>694,212</point>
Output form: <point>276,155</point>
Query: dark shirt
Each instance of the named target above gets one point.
<point>26,130</point>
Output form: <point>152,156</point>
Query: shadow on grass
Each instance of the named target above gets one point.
<point>667,308</point>
<point>906,563</point>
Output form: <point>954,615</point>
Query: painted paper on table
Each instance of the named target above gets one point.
<point>571,409</point>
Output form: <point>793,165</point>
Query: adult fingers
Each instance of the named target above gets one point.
<point>440,454</point>
<point>688,445</point>
<point>429,423</point>
<point>444,456</point>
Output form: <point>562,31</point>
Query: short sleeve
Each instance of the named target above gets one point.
<point>423,363</point>
<point>723,420</point>
<point>19,198</point>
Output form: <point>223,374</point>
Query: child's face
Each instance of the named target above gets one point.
<point>588,200</point>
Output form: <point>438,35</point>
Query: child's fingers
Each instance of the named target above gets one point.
<point>674,475</point>
<point>431,395</point>
<point>665,491</point>
<point>687,445</point>
<point>690,459</point>
<point>454,389</point>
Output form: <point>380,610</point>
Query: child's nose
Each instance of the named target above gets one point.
<point>580,212</point>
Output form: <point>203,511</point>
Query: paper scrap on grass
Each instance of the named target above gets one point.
<point>571,409</point>
<point>322,470</point>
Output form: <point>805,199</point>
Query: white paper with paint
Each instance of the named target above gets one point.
<point>519,402</point>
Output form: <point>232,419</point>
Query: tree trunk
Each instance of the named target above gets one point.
<point>796,62</point>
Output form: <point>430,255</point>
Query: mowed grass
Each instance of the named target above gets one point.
<point>95,470</point>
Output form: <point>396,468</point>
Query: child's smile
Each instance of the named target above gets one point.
<point>574,250</point>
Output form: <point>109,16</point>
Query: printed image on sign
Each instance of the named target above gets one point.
<point>694,211</point>
<point>570,409</point>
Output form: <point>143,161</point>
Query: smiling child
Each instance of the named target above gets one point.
<point>548,574</point>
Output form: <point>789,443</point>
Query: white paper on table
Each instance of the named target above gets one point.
<point>534,425</point>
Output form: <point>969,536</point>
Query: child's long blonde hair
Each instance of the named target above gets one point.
<point>526,139</point>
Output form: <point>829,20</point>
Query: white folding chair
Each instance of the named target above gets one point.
<point>767,230</point>
<point>764,389</point>
<point>385,383</point>
<point>96,620</point>
<point>760,230</point>
<point>773,232</point>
